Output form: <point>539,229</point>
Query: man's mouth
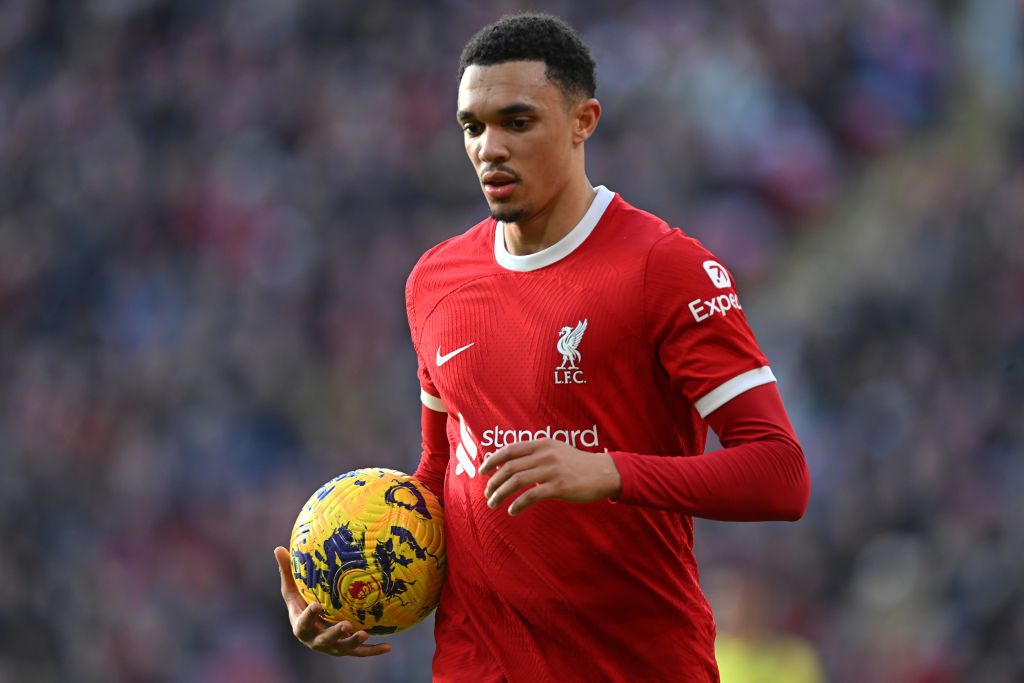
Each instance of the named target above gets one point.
<point>499,190</point>
<point>498,184</point>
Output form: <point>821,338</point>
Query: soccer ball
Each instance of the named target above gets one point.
<point>369,547</point>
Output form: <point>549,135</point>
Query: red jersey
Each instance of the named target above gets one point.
<point>621,337</point>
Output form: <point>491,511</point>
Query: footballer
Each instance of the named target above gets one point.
<point>573,351</point>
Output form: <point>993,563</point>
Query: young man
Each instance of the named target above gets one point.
<point>573,351</point>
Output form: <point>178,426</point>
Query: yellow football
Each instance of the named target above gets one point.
<point>369,547</point>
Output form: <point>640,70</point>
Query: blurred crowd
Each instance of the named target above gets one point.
<point>207,213</point>
<point>910,405</point>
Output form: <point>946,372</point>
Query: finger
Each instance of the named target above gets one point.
<point>333,637</point>
<point>507,472</point>
<point>356,646</point>
<point>284,567</point>
<point>289,591</point>
<point>531,496</point>
<point>506,453</point>
<point>515,482</point>
<point>371,650</point>
<point>309,624</point>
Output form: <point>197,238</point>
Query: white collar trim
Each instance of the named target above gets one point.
<point>560,249</point>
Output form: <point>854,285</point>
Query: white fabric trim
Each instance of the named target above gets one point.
<point>718,397</point>
<point>432,402</point>
<point>560,249</point>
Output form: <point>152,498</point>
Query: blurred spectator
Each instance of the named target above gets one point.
<point>752,644</point>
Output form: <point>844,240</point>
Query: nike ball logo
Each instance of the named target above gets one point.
<point>441,360</point>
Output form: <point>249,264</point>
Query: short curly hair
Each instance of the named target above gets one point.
<point>535,36</point>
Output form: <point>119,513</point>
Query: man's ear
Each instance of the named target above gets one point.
<point>587,114</point>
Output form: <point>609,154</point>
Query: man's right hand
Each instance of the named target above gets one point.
<point>312,629</point>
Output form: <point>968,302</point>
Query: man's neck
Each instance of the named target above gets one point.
<point>551,224</point>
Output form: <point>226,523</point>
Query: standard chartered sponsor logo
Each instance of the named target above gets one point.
<point>497,437</point>
<point>702,309</point>
<point>467,452</point>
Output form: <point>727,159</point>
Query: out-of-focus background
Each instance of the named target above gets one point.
<point>208,209</point>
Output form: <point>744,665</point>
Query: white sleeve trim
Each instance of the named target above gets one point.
<point>432,402</point>
<point>718,397</point>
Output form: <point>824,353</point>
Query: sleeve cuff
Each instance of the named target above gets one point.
<point>718,397</point>
<point>624,464</point>
<point>432,402</point>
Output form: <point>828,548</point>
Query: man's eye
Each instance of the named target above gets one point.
<point>472,128</point>
<point>520,124</point>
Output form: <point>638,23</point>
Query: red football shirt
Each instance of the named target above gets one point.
<point>622,336</point>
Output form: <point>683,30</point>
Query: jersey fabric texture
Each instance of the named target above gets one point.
<point>621,337</point>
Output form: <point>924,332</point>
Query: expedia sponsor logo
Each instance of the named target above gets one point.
<point>718,274</point>
<point>496,436</point>
<point>702,309</point>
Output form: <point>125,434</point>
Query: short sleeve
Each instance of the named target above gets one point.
<point>429,395</point>
<point>693,315</point>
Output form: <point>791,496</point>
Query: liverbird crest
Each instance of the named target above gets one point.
<point>568,343</point>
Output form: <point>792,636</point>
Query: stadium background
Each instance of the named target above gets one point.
<point>207,213</point>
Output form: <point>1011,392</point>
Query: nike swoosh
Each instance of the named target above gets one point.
<point>441,360</point>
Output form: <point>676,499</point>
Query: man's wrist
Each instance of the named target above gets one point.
<point>612,478</point>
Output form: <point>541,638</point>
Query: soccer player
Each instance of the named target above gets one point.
<point>573,351</point>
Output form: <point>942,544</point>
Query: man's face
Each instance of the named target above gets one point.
<point>518,132</point>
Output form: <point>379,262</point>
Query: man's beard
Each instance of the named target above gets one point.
<point>508,215</point>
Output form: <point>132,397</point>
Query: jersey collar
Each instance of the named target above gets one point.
<point>560,249</point>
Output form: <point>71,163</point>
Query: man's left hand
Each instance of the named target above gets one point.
<point>549,469</point>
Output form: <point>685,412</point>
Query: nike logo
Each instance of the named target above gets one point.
<point>441,360</point>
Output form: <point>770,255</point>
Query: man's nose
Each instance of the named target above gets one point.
<point>493,146</point>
